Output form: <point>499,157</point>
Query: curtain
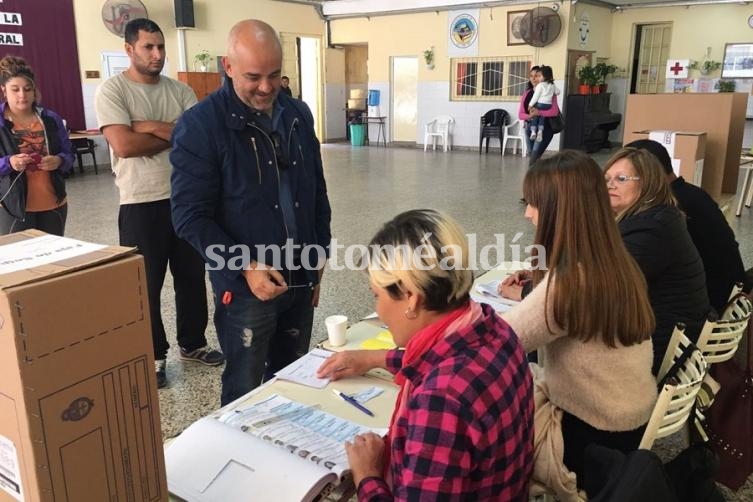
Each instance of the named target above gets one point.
<point>44,33</point>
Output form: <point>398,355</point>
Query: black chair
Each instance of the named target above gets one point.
<point>492,126</point>
<point>82,146</point>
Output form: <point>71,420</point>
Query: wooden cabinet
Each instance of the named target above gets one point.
<point>202,82</point>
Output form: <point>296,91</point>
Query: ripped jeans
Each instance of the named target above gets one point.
<point>259,337</point>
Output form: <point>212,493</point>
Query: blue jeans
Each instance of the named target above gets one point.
<point>259,337</point>
<point>537,148</point>
<point>538,121</point>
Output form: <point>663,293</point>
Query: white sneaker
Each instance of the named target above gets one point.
<point>539,137</point>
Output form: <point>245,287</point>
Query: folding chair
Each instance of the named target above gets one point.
<point>677,397</point>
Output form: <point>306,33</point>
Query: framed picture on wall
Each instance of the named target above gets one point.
<point>738,61</point>
<point>514,19</point>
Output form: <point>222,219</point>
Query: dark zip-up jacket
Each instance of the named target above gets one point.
<point>56,138</point>
<point>226,184</point>
<point>658,240</point>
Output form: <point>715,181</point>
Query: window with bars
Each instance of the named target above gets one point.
<point>489,79</point>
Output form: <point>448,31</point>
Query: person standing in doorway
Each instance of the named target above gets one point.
<point>285,86</point>
<point>136,111</point>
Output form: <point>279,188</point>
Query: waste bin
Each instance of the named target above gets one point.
<point>356,134</point>
<point>373,97</point>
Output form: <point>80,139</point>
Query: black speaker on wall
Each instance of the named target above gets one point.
<point>184,14</point>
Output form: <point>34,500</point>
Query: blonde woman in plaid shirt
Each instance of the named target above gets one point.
<point>462,428</point>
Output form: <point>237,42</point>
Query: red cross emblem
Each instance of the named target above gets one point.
<point>676,68</point>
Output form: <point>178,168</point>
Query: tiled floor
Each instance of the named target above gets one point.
<point>367,186</point>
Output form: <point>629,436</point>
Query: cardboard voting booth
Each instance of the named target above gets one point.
<point>686,149</point>
<point>79,414</point>
<point>720,115</point>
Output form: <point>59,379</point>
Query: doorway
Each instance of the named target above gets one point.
<point>309,61</point>
<point>650,54</point>
<point>301,63</point>
<point>404,108</point>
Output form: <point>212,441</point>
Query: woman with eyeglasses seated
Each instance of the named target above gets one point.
<point>588,314</point>
<point>655,234</point>
<point>462,428</point>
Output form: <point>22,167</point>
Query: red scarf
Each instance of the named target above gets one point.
<point>417,346</point>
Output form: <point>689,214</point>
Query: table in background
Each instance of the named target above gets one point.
<point>381,122</point>
<point>83,143</point>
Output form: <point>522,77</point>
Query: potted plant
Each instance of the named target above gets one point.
<point>202,59</point>
<point>603,70</point>
<point>726,86</point>
<point>429,58</point>
<point>706,67</point>
<point>589,80</point>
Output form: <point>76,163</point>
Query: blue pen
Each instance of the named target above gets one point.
<point>352,401</point>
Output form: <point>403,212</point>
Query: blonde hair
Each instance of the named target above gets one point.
<point>14,66</point>
<point>425,251</point>
<point>655,189</point>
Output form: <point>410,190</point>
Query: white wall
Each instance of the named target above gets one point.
<point>433,100</point>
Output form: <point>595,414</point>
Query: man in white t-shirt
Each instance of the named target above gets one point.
<point>136,111</point>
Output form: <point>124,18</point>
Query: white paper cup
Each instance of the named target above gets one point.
<point>336,327</point>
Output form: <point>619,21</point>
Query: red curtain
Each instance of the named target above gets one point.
<point>460,79</point>
<point>47,30</point>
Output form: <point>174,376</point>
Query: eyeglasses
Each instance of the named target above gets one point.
<point>620,179</point>
<point>282,160</point>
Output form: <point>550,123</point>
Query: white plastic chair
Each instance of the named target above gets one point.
<point>515,131</point>
<point>675,403</point>
<point>439,127</point>
<point>718,340</point>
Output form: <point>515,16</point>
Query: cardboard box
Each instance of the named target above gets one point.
<point>357,104</point>
<point>79,413</point>
<point>721,115</point>
<point>357,94</point>
<point>686,149</point>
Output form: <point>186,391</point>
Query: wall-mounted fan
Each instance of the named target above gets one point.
<point>540,26</point>
<point>117,13</point>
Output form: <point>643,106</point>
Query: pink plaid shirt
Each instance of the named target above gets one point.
<point>465,431</point>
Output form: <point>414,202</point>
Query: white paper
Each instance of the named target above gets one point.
<point>211,461</point>
<point>698,175</point>
<point>277,449</point>
<point>303,370</point>
<point>42,250</point>
<point>10,473</point>
<point>486,292</point>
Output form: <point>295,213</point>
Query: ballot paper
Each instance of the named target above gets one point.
<point>276,446</point>
<point>303,370</point>
<point>486,292</point>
